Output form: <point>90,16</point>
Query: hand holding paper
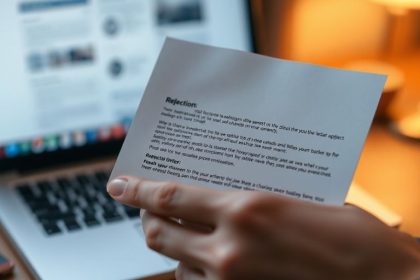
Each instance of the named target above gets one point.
<point>234,235</point>
<point>222,119</point>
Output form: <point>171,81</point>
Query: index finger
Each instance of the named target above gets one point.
<point>171,199</point>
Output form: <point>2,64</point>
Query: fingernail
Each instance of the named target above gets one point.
<point>117,186</point>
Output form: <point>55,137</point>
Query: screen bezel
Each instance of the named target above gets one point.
<point>97,150</point>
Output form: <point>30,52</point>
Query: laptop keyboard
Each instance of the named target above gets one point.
<point>69,204</point>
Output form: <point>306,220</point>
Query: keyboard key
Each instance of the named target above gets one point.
<point>132,212</point>
<point>91,221</point>
<point>63,182</point>
<point>90,191</point>
<point>39,204</point>
<point>25,191</point>
<point>111,217</point>
<point>72,224</point>
<point>108,197</point>
<point>102,176</point>
<point>55,216</point>
<point>51,228</point>
<point>47,210</point>
<point>44,186</point>
<point>109,207</point>
<point>83,179</point>
<point>71,204</point>
<point>89,211</point>
<point>100,187</point>
<point>35,207</point>
<point>91,200</point>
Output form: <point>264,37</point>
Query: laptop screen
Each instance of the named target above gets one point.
<point>73,71</point>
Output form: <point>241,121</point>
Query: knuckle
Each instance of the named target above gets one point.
<point>356,214</point>
<point>227,259</point>
<point>165,195</point>
<point>153,233</point>
<point>136,190</point>
<point>356,217</point>
<point>242,210</point>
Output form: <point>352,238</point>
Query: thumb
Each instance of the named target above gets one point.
<point>126,190</point>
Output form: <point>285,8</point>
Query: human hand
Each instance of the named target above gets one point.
<point>255,235</point>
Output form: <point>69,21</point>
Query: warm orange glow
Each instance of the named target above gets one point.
<point>335,33</point>
<point>395,79</point>
<point>406,4</point>
<point>325,31</point>
<point>410,125</point>
<point>359,197</point>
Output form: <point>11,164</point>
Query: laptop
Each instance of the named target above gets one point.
<point>72,74</point>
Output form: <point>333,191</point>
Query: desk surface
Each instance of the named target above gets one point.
<point>388,169</point>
